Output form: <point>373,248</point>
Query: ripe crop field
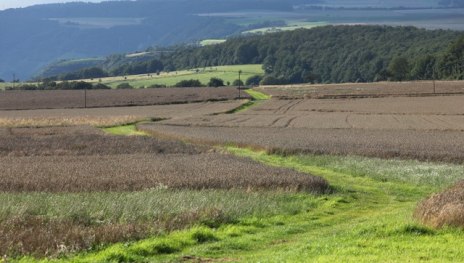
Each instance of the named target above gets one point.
<point>111,116</point>
<point>59,99</point>
<point>376,89</point>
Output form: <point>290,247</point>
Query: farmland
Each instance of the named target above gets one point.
<point>92,162</point>
<point>294,177</point>
<point>111,116</point>
<point>59,99</point>
<point>226,73</point>
<point>377,89</point>
<point>381,125</point>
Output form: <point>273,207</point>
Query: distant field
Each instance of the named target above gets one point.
<point>226,73</point>
<point>208,42</point>
<point>430,18</point>
<point>291,26</point>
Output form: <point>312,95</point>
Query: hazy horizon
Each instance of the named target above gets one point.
<point>5,4</point>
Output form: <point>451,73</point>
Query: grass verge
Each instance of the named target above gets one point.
<point>257,97</point>
<point>125,130</point>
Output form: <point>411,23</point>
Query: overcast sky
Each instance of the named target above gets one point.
<point>4,4</point>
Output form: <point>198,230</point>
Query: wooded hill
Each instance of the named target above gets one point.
<point>330,54</point>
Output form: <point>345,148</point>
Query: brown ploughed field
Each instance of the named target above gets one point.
<point>425,128</point>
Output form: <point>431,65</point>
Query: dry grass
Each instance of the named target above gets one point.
<point>62,99</point>
<point>110,116</point>
<point>443,209</point>
<point>44,224</point>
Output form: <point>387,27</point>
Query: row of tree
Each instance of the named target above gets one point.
<point>82,85</point>
<point>52,85</point>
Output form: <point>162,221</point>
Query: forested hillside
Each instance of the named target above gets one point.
<point>31,38</point>
<point>329,54</point>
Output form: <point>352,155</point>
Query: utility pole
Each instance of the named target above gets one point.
<point>239,84</point>
<point>434,86</point>
<point>14,80</point>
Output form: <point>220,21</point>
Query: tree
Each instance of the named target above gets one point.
<point>452,63</point>
<point>237,82</point>
<point>2,81</point>
<point>189,83</point>
<point>270,80</point>
<point>399,68</point>
<point>101,86</point>
<point>216,82</point>
<point>245,53</point>
<point>424,68</point>
<point>254,80</point>
<point>124,85</point>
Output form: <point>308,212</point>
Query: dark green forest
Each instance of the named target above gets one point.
<point>336,54</point>
<point>331,54</point>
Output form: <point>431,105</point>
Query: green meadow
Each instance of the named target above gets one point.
<point>226,73</point>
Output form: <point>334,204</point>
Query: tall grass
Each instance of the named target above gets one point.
<point>73,222</point>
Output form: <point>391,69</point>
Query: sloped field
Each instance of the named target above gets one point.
<point>426,128</point>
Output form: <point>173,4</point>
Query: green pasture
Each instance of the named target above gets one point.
<point>226,73</point>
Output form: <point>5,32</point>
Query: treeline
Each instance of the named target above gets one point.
<point>331,54</point>
<point>52,85</point>
<point>82,85</point>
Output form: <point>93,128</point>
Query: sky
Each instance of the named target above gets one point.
<point>4,4</point>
